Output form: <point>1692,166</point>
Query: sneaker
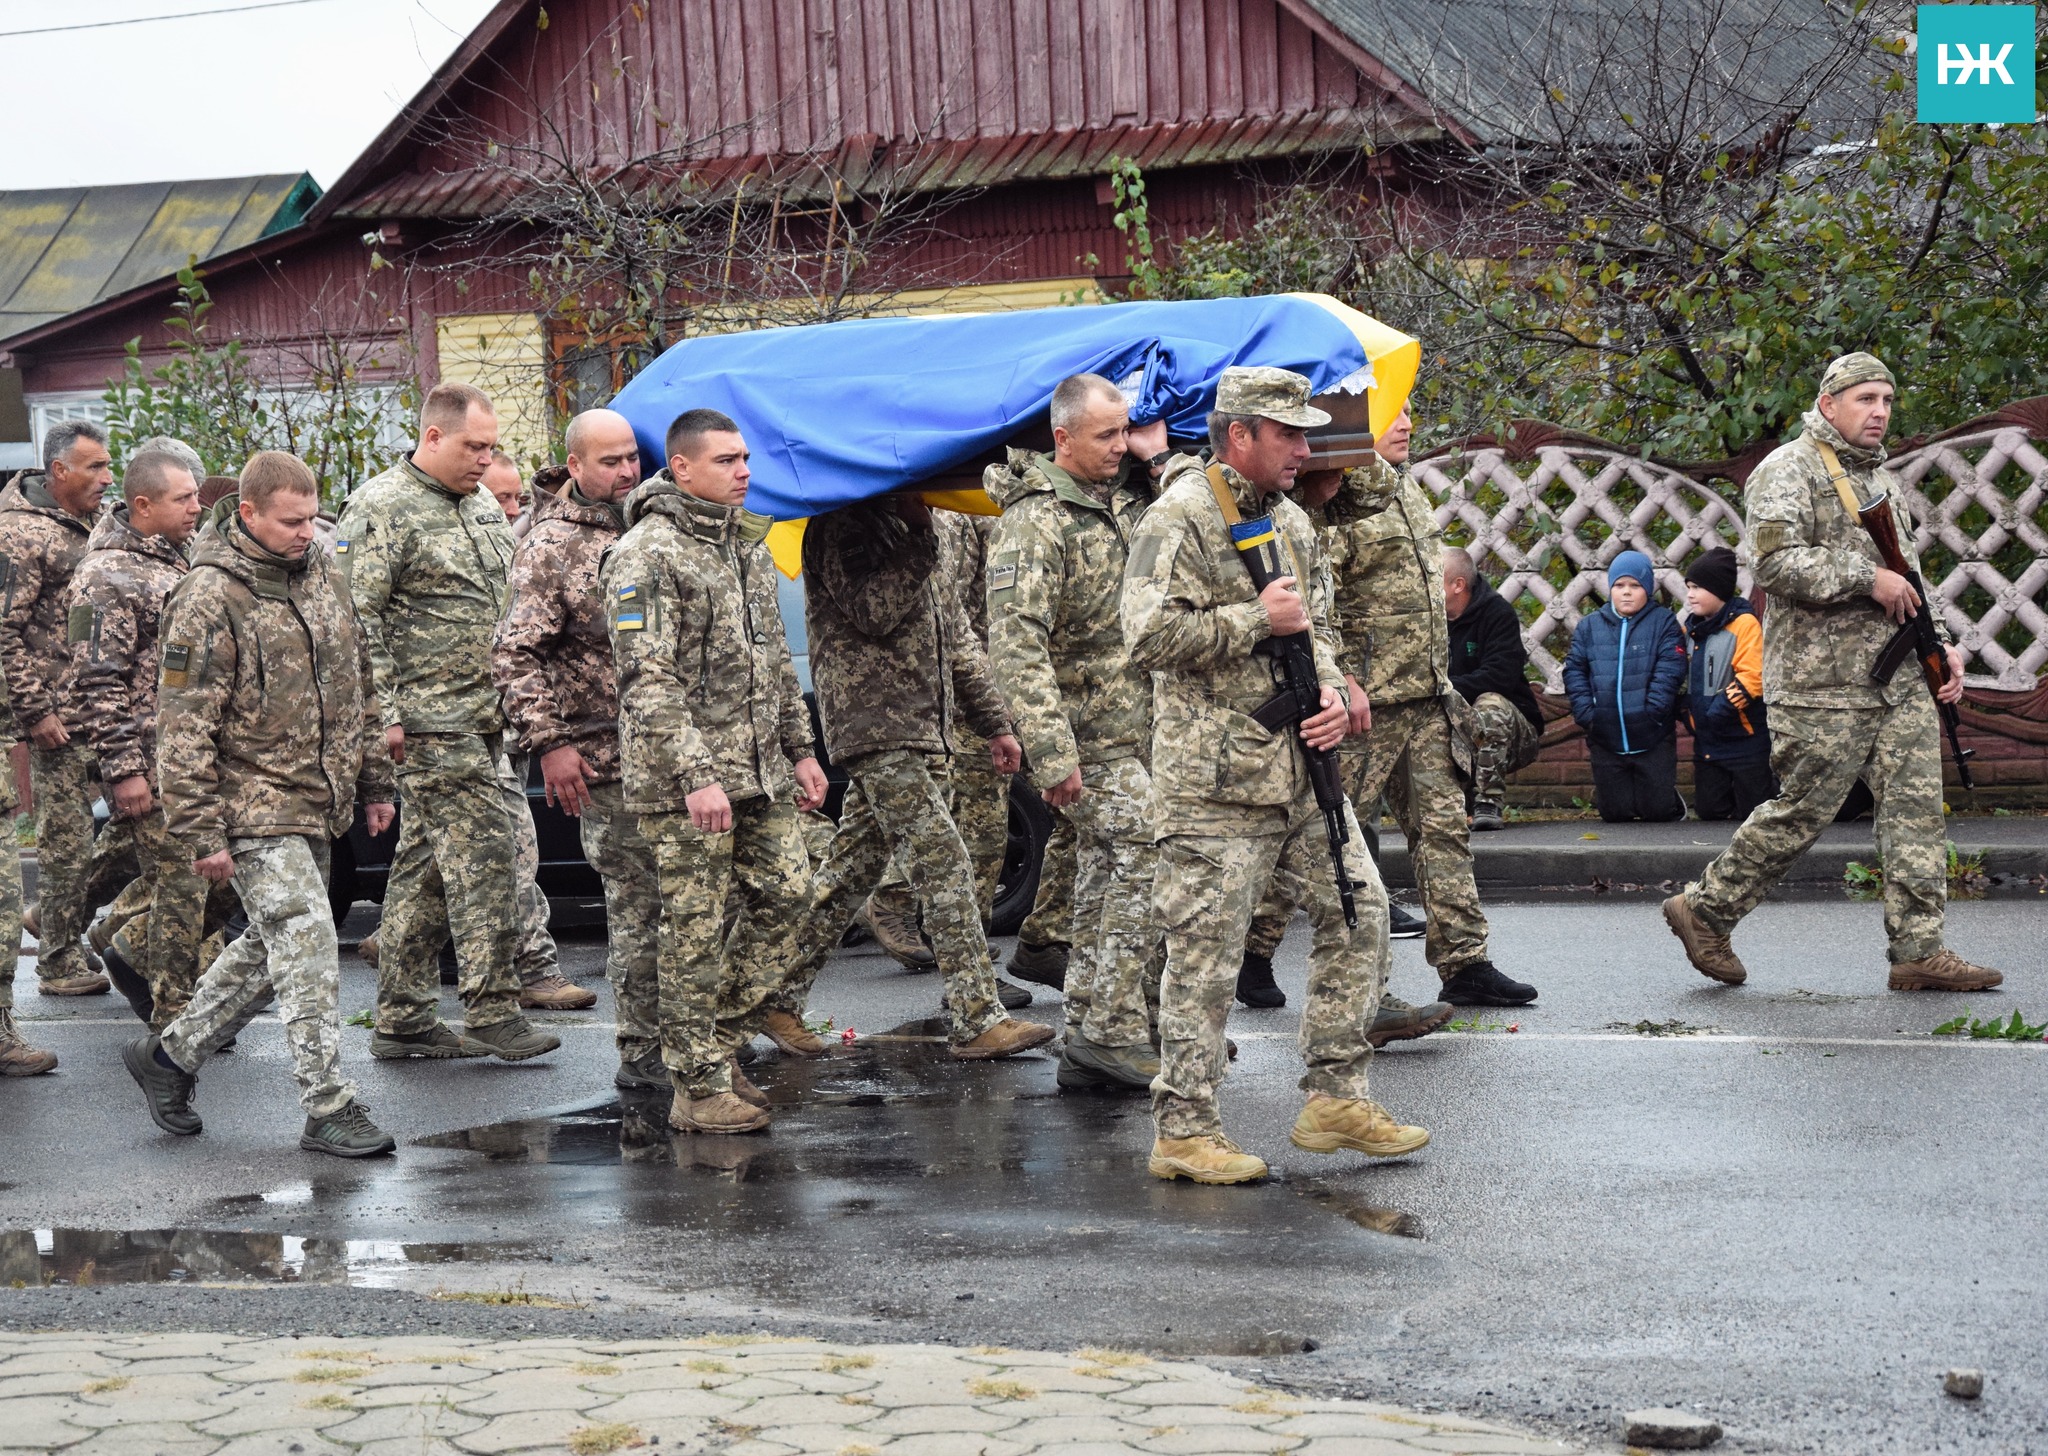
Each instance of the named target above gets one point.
<point>722,1112</point>
<point>791,1036</point>
<point>1211,1159</point>
<point>129,982</point>
<point>1487,817</point>
<point>1005,1039</point>
<point>17,1057</point>
<point>513,1040</point>
<point>647,1070</point>
<point>552,993</point>
<point>367,948</point>
<point>899,937</point>
<point>1405,924</point>
<point>1042,965</point>
<point>348,1133</point>
<point>1711,955</point>
<point>1481,984</point>
<point>166,1091</point>
<point>1087,1065</point>
<point>1327,1124</point>
<point>440,1043</point>
<point>1014,998</point>
<point>1399,1021</point>
<point>85,983</point>
<point>1943,971</point>
<point>1255,985</point>
<point>743,1088</point>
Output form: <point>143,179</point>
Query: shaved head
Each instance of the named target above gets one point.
<point>604,457</point>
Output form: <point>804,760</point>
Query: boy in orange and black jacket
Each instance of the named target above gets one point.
<point>1731,743</point>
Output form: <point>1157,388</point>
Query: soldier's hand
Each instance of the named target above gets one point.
<point>913,512</point>
<point>219,868</point>
<point>810,784</point>
<point>50,732</point>
<point>1326,729</point>
<point>567,780</point>
<point>377,818</point>
<point>132,798</point>
<point>394,742</point>
<point>710,810</point>
<point>1360,715</point>
<point>1895,594</point>
<point>1284,612</point>
<point>1066,791</point>
<point>1952,690</point>
<point>1006,753</point>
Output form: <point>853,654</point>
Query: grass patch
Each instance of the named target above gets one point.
<point>332,1400</point>
<point>731,1342</point>
<point>602,1439</point>
<point>108,1386</point>
<point>517,1295</point>
<point>594,1367</point>
<point>1112,1357</point>
<point>365,1018</point>
<point>856,1400</point>
<point>991,1349</point>
<point>708,1367</point>
<point>1001,1389</point>
<point>337,1356</point>
<point>1474,1024</point>
<point>839,1363</point>
<point>860,1449</point>
<point>1966,877</point>
<point>328,1374</point>
<point>1673,1027</point>
<point>734,1429</point>
<point>1996,1029</point>
<point>1259,1402</point>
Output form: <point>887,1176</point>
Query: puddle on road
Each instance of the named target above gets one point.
<point>81,1257</point>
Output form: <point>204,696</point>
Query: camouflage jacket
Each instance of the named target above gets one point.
<point>1190,615</point>
<point>1386,557</point>
<point>117,602</point>
<point>41,544</point>
<point>427,570</point>
<point>1056,639</point>
<point>893,657</point>
<point>964,544</point>
<point>1816,564</point>
<point>552,658</point>
<point>265,726</point>
<point>707,693</point>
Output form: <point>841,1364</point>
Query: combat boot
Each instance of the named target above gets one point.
<point>1399,1021</point>
<point>347,1133</point>
<point>791,1036</point>
<point>1255,984</point>
<point>368,948</point>
<point>1042,965</point>
<point>1711,955</point>
<point>552,993</point>
<point>1480,983</point>
<point>85,983</point>
<point>1014,998</point>
<point>1085,1064</point>
<point>166,1091</point>
<point>32,920</point>
<point>1211,1159</point>
<point>724,1112</point>
<point>129,982</point>
<point>1329,1123</point>
<point>646,1070</point>
<point>1405,924</point>
<point>17,1057</point>
<point>743,1088</point>
<point>438,1044</point>
<point>513,1040</point>
<point>1943,971</point>
<point>1487,815</point>
<point>1005,1039</point>
<point>900,938</point>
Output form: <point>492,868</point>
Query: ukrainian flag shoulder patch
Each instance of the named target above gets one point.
<point>629,614</point>
<point>341,547</point>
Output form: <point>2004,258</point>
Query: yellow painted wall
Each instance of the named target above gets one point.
<point>504,355</point>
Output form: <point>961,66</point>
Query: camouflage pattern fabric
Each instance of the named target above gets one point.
<point>1051,920</point>
<point>1503,742</point>
<point>1117,953</point>
<point>1386,560</point>
<point>716,988</point>
<point>623,858</point>
<point>41,544</point>
<point>534,953</point>
<point>10,880</point>
<point>63,782</point>
<point>174,909</point>
<point>288,954</point>
<point>978,798</point>
<point>112,635</point>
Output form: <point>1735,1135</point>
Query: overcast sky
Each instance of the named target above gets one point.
<point>299,87</point>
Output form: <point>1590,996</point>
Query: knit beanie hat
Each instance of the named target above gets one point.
<point>1714,570</point>
<point>1634,565</point>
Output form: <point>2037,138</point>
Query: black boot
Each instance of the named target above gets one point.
<point>1479,984</point>
<point>1405,924</point>
<point>1255,985</point>
<point>129,982</point>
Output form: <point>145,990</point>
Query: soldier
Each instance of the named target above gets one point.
<point>712,727</point>
<point>1489,668</point>
<point>46,518</point>
<point>1084,714</point>
<point>552,660</point>
<point>1236,811</point>
<point>1831,606</point>
<point>891,656</point>
<point>265,740</point>
<point>425,554</point>
<point>17,1057</point>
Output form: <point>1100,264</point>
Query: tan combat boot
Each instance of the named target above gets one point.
<point>1943,971</point>
<point>743,1088</point>
<point>899,937</point>
<point>32,920</point>
<point>722,1112</point>
<point>791,1035</point>
<point>552,993</point>
<point>367,948</point>
<point>17,1057</point>
<point>1329,1123</point>
<point>1711,955</point>
<point>1210,1159</point>
<point>1005,1039</point>
<point>85,983</point>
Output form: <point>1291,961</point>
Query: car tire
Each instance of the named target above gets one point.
<point>1017,886</point>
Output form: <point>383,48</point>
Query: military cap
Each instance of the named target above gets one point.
<point>1853,369</point>
<point>1279,395</point>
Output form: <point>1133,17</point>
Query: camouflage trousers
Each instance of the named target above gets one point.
<point>1818,754</point>
<point>289,954</point>
<point>68,859</point>
<point>1051,921</point>
<point>624,860</point>
<point>717,986</point>
<point>1407,757</point>
<point>896,805</point>
<point>979,800</point>
<point>1503,743</point>
<point>455,870</point>
<point>1112,989</point>
<point>168,912</point>
<point>10,887</point>
<point>1207,889</point>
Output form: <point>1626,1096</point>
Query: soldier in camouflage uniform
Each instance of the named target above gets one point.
<point>17,1057</point>
<point>1235,808</point>
<point>1084,714</point>
<point>1831,608</point>
<point>265,740</point>
<point>46,518</point>
<point>1411,736</point>
<point>712,731</point>
<point>552,660</point>
<point>425,555</point>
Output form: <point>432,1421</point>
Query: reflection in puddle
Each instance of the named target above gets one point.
<point>1378,1218</point>
<point>36,1257</point>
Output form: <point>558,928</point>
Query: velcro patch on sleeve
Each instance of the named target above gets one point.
<point>629,609</point>
<point>1768,536</point>
<point>78,625</point>
<point>178,667</point>
<point>341,547</point>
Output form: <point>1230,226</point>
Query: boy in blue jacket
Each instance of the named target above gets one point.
<point>1624,672</point>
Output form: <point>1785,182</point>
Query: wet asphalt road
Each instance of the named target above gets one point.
<point>1793,1226</point>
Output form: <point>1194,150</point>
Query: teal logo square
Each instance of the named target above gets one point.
<point>1976,63</point>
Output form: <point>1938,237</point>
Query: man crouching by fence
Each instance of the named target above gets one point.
<point>262,749</point>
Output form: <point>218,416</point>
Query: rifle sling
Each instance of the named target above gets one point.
<point>1227,503</point>
<point>1839,479</point>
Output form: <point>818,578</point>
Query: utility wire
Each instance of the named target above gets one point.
<point>152,19</point>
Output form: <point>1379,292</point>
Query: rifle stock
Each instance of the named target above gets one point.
<point>1925,643</point>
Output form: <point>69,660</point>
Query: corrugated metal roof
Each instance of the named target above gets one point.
<point>63,249</point>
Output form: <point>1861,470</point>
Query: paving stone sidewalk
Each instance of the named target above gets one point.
<point>202,1394</point>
